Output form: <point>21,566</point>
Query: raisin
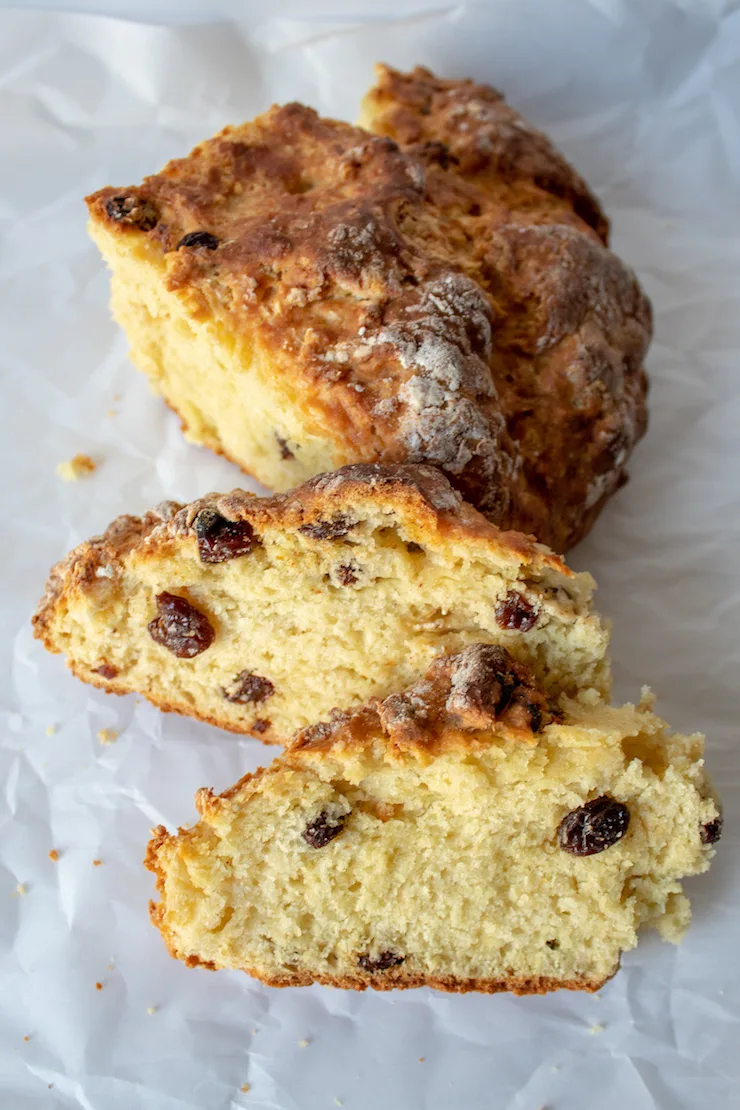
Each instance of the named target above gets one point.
<point>180,627</point>
<point>249,687</point>
<point>516,612</point>
<point>328,529</point>
<point>260,725</point>
<point>380,962</point>
<point>285,451</point>
<point>199,239</point>
<point>220,539</point>
<point>414,548</point>
<point>553,944</point>
<point>347,574</point>
<point>594,827</point>
<point>107,671</point>
<point>475,209</point>
<point>712,831</point>
<point>132,210</point>
<point>323,829</point>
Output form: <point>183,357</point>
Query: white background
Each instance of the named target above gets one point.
<point>645,99</point>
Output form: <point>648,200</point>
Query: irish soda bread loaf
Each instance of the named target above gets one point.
<point>306,294</point>
<point>458,835</point>
<point>263,614</point>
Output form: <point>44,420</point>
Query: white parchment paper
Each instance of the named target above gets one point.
<point>645,99</point>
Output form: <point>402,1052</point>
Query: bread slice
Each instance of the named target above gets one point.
<point>457,835</point>
<point>263,614</point>
<point>306,294</point>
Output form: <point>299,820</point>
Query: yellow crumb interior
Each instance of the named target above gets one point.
<point>453,866</point>
<point>283,613</point>
<point>221,384</point>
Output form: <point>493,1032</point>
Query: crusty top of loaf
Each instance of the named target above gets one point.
<point>448,300</point>
<point>420,495</point>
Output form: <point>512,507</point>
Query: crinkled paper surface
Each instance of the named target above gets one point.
<point>645,99</point>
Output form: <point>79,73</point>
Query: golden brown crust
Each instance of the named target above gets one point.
<point>393,979</point>
<point>456,310</point>
<point>485,138</point>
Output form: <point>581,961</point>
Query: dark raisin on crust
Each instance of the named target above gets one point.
<point>594,827</point>
<point>180,628</point>
<point>220,539</point>
<point>516,612</point>
<point>323,829</point>
<point>199,239</point>
<point>712,831</point>
<point>332,529</point>
<point>260,725</point>
<point>347,574</point>
<point>285,451</point>
<point>133,211</point>
<point>249,687</point>
<point>107,670</point>
<point>381,962</point>
<point>414,548</point>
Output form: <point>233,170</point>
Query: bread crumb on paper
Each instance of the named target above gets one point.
<point>304,1043</point>
<point>98,986</point>
<point>107,735</point>
<point>26,1038</point>
<point>112,412</point>
<point>421,1059</point>
<point>53,855</point>
<point>338,1102</point>
<point>595,1029</point>
<point>50,730</point>
<point>244,1088</point>
<point>75,468</point>
<point>97,862</point>
<point>151,1010</point>
<point>20,890</point>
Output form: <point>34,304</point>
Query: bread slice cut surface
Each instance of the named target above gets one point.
<point>458,834</point>
<point>263,614</point>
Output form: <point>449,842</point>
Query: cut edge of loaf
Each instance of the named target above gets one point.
<point>426,509</point>
<point>459,695</point>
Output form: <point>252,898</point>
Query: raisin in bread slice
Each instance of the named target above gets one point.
<point>264,614</point>
<point>458,834</point>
